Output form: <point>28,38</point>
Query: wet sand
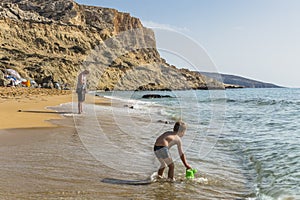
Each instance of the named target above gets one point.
<point>52,163</point>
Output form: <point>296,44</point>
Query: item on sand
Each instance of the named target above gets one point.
<point>190,173</point>
<point>13,73</point>
<point>26,82</point>
<point>13,76</point>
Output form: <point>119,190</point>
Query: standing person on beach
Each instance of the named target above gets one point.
<point>162,145</point>
<point>81,89</point>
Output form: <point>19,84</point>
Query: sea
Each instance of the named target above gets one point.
<point>244,144</point>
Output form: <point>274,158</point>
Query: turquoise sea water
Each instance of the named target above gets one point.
<point>244,141</point>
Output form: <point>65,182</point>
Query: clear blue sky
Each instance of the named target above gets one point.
<point>258,39</point>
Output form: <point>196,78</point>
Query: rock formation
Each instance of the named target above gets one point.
<point>239,82</point>
<point>53,40</point>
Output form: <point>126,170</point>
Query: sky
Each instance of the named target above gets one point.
<point>257,39</point>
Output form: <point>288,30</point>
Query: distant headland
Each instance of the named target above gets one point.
<point>239,81</point>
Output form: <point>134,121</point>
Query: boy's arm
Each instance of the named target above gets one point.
<point>182,156</point>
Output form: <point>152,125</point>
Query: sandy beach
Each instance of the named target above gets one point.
<point>26,108</point>
<point>35,153</point>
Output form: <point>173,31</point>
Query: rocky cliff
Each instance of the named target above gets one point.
<point>54,40</point>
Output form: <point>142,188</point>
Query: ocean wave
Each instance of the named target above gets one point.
<point>255,101</point>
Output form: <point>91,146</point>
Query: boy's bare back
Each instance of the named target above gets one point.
<point>168,139</point>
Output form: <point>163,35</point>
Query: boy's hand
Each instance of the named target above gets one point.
<point>188,166</point>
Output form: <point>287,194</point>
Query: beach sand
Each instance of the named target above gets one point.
<point>30,144</point>
<point>26,108</point>
<point>42,160</point>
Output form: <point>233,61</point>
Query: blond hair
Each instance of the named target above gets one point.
<point>179,126</point>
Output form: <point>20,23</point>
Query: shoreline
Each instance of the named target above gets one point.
<point>55,161</point>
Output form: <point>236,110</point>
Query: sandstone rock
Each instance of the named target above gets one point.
<point>52,41</point>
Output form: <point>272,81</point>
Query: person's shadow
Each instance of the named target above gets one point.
<point>46,112</point>
<point>126,182</point>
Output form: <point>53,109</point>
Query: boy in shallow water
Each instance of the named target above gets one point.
<point>166,141</point>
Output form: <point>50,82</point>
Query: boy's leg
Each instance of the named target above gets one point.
<point>171,171</point>
<point>171,166</point>
<point>161,168</point>
<point>165,159</point>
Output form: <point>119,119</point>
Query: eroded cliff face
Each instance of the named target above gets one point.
<point>53,40</point>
